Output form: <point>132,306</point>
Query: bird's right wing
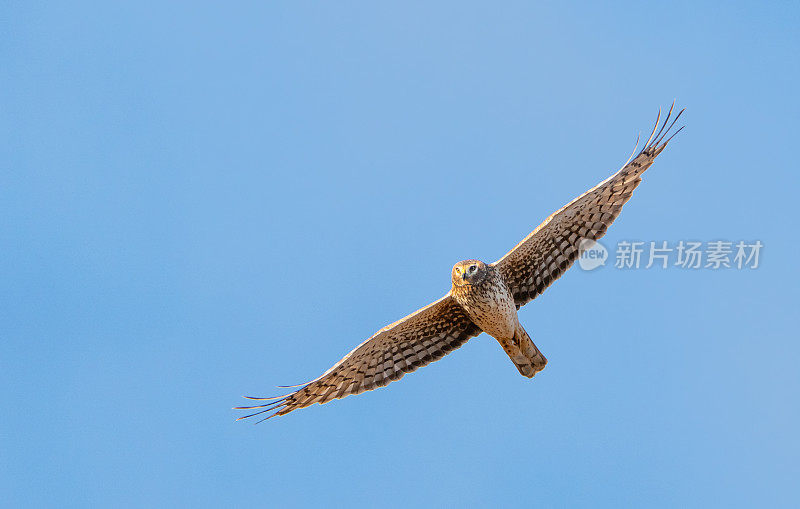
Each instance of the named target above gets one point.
<point>545,254</point>
<point>418,339</point>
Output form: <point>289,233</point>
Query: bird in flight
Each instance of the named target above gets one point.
<point>483,298</point>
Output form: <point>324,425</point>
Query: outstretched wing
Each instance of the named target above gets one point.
<point>553,246</point>
<point>418,339</point>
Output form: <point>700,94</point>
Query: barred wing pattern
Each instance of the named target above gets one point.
<point>418,339</point>
<point>545,254</point>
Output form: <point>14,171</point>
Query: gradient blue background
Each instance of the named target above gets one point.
<point>204,201</point>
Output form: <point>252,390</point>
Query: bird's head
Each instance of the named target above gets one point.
<point>469,272</point>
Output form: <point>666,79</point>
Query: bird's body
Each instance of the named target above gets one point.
<point>490,305</point>
<point>487,301</point>
<point>483,297</point>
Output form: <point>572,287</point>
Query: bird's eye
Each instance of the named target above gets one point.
<point>458,270</point>
<point>472,268</point>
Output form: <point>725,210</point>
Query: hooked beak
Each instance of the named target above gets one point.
<point>463,276</point>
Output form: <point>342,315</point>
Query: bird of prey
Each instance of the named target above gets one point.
<point>483,298</point>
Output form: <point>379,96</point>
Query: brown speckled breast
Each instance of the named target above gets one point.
<point>490,305</point>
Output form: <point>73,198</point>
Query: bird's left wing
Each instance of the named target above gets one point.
<point>418,339</point>
<point>545,254</point>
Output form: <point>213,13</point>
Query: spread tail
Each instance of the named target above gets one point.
<point>524,354</point>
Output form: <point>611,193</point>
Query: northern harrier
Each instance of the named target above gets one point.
<point>483,298</point>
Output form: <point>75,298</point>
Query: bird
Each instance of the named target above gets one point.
<point>484,297</point>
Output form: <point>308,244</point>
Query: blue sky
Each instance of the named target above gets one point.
<point>202,201</point>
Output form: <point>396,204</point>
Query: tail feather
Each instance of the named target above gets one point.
<point>524,354</point>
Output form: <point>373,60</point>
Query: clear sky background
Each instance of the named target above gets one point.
<point>204,201</point>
